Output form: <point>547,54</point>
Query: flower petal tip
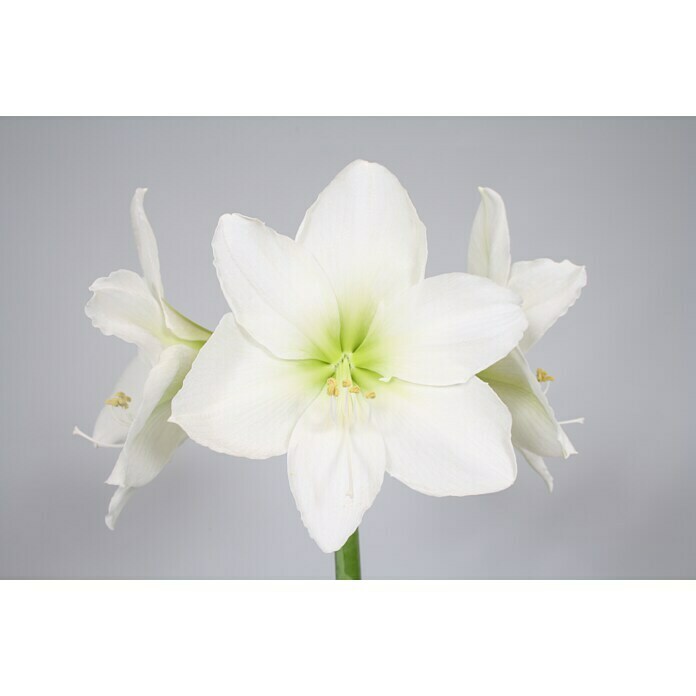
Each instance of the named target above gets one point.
<point>360,162</point>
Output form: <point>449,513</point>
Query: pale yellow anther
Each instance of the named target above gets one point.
<point>370,395</point>
<point>346,383</point>
<point>543,376</point>
<point>119,400</point>
<point>354,390</point>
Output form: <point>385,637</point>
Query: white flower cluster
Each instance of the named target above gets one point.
<point>340,352</point>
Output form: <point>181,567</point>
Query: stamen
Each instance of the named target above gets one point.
<point>119,400</point>
<point>342,381</point>
<point>543,376</point>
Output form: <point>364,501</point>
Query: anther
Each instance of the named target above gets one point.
<point>119,400</point>
<point>370,395</point>
<point>346,383</point>
<point>354,389</point>
<point>543,376</point>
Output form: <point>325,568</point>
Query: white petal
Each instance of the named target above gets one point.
<point>534,425</point>
<point>366,234</point>
<point>148,255</point>
<point>182,326</point>
<point>124,306</point>
<point>537,463</point>
<point>548,290</point>
<point>146,244</point>
<point>335,468</point>
<point>116,504</point>
<point>566,444</point>
<point>240,399</point>
<point>113,423</point>
<point>152,439</point>
<point>444,440</point>
<point>276,289</point>
<point>443,330</point>
<point>489,245</point>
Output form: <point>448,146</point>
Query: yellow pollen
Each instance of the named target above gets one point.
<point>543,376</point>
<point>370,395</point>
<point>346,383</point>
<point>354,390</point>
<point>119,400</point>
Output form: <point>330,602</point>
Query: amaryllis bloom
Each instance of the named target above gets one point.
<point>135,417</point>
<point>548,289</point>
<point>339,352</point>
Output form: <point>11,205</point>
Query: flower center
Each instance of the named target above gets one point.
<point>342,383</point>
<point>349,400</point>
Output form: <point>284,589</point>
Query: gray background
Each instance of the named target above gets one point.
<point>614,194</point>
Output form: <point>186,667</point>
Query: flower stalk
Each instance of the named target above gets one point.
<point>347,559</point>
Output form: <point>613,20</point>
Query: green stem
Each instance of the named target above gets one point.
<point>348,559</point>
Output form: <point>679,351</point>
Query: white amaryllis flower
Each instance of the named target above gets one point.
<point>548,290</point>
<point>340,353</point>
<point>136,417</point>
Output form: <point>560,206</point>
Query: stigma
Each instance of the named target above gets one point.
<point>119,400</point>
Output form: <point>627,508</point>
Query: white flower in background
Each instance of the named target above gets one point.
<point>340,353</point>
<point>548,289</point>
<point>135,418</point>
